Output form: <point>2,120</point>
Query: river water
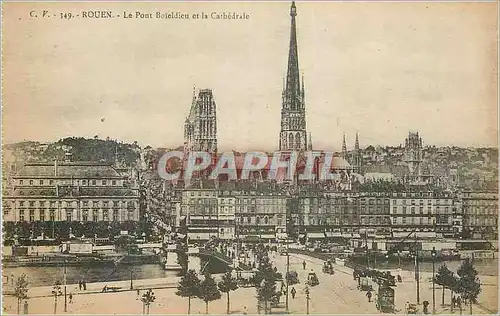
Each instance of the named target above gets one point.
<point>43,276</point>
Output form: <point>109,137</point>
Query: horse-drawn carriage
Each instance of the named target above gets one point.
<point>328,267</point>
<point>292,277</point>
<point>312,279</point>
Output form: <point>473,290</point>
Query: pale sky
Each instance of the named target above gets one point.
<point>381,69</point>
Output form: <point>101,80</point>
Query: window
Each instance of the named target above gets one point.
<point>51,182</point>
<point>115,215</point>
<point>21,182</point>
<point>84,182</point>
<point>85,216</point>
<point>21,216</point>
<point>21,203</point>
<point>69,216</point>
<point>130,215</point>
<point>113,182</point>
<point>404,220</point>
<point>249,219</point>
<point>32,215</point>
<point>103,182</point>
<point>41,182</point>
<point>266,220</point>
<point>52,215</point>
<point>105,216</point>
<point>32,203</point>
<point>42,215</point>
<point>95,215</point>
<point>31,182</point>
<point>94,182</point>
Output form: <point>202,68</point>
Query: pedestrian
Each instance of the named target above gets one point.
<point>407,306</point>
<point>304,265</point>
<point>426,307</point>
<point>138,294</point>
<point>84,285</point>
<point>244,310</point>
<point>70,298</point>
<point>453,302</point>
<point>293,292</point>
<point>79,285</point>
<point>369,295</point>
<point>25,308</point>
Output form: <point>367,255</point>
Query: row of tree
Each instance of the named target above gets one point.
<point>190,286</point>
<point>466,283</point>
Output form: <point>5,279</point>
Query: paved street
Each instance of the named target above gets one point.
<point>335,294</point>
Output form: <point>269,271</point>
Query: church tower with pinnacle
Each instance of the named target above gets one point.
<point>293,134</point>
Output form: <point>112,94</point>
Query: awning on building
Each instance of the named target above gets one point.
<point>268,236</point>
<point>302,235</point>
<point>356,236</point>
<point>199,236</point>
<point>316,235</point>
<point>333,234</point>
<point>347,235</point>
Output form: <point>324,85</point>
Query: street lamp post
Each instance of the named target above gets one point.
<point>433,253</point>
<point>287,272</point>
<point>307,300</point>
<point>65,296</point>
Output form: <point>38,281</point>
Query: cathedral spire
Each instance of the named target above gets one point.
<point>293,134</point>
<point>293,76</point>
<point>344,147</point>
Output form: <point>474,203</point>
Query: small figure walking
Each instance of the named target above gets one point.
<point>304,264</point>
<point>80,285</point>
<point>84,284</point>
<point>70,298</point>
<point>293,292</point>
<point>369,295</point>
<point>25,308</point>
<point>244,310</point>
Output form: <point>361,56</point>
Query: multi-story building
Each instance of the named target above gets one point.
<point>430,212</point>
<point>480,214</point>
<point>71,191</point>
<point>260,213</point>
<point>226,206</point>
<point>374,210</point>
<point>199,213</point>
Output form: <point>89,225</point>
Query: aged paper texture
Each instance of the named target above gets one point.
<point>249,157</point>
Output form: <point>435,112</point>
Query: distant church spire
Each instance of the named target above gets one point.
<point>344,147</point>
<point>356,144</point>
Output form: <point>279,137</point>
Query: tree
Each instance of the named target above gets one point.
<point>228,284</point>
<point>469,285</point>
<point>208,291</point>
<point>56,291</point>
<point>146,299</point>
<point>189,286</point>
<point>266,290</point>
<point>21,290</point>
<point>445,278</point>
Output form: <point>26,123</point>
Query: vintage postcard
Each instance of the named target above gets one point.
<point>231,157</point>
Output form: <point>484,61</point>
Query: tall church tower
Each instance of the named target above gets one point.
<point>200,127</point>
<point>293,134</point>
